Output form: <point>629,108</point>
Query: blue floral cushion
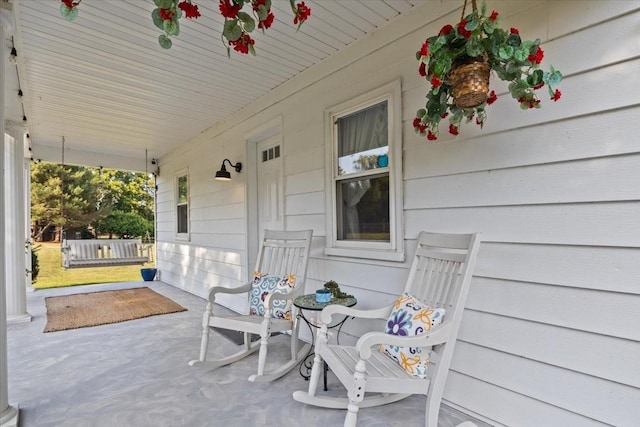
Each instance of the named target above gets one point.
<point>410,317</point>
<point>265,284</point>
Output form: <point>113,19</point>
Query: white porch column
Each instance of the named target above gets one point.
<point>16,279</point>
<point>8,414</point>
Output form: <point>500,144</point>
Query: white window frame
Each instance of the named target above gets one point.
<point>386,251</point>
<point>182,236</point>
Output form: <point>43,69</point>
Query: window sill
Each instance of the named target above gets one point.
<point>366,254</point>
<point>183,237</point>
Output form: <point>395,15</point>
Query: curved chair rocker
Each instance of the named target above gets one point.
<point>439,277</point>
<point>282,253</point>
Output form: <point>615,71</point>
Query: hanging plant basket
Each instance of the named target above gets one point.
<point>457,62</point>
<point>470,82</point>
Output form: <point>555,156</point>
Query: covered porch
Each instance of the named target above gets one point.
<point>135,373</point>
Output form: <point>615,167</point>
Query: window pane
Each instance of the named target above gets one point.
<point>182,219</point>
<point>363,209</point>
<point>363,140</point>
<point>182,189</point>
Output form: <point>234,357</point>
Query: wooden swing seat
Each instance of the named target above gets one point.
<point>104,253</point>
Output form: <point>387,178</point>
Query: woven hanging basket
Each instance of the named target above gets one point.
<point>470,82</point>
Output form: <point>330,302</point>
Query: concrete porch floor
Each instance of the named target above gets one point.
<point>136,374</point>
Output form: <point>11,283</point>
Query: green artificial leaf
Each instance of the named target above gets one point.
<point>442,65</point>
<point>232,30</point>
<point>421,112</point>
<point>535,78</point>
<point>505,52</point>
<point>483,8</point>
<point>511,69</point>
<point>248,22</point>
<point>262,12</point>
<point>474,48</point>
<point>521,55</point>
<point>267,4</point>
<point>514,40</point>
<point>157,21</point>
<point>68,13</point>
<point>171,27</point>
<point>163,4</point>
<point>489,27</point>
<point>164,41</point>
<point>552,78</point>
<point>252,50</point>
<point>472,24</point>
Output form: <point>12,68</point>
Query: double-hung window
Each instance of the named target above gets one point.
<point>365,182</point>
<point>182,205</point>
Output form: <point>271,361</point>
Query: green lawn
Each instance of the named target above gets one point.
<point>52,275</point>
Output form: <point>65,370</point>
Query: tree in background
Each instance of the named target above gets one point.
<point>76,198</point>
<point>63,197</point>
<point>130,198</point>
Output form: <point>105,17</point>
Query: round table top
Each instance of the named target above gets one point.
<point>308,302</point>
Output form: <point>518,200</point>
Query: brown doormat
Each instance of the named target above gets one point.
<point>103,307</point>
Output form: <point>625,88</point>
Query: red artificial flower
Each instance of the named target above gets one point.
<point>453,130</point>
<point>432,136</point>
<point>463,31</point>
<point>302,13</point>
<point>435,81</point>
<point>514,31</point>
<point>242,44</point>
<point>479,122</point>
<point>492,97</point>
<point>267,22</point>
<point>529,102</point>
<point>70,3</point>
<point>494,15</point>
<point>445,115</point>
<point>416,122</point>
<point>556,96</point>
<point>229,10</point>
<point>538,86</point>
<point>422,69</point>
<point>422,127</point>
<point>166,14</point>
<point>446,30</point>
<point>424,51</point>
<point>536,58</point>
<point>190,10</point>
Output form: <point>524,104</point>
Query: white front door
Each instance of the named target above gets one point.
<point>270,185</point>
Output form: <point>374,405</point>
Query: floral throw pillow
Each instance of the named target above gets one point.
<point>265,284</point>
<point>410,317</point>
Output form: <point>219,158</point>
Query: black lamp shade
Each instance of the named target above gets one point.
<point>223,174</point>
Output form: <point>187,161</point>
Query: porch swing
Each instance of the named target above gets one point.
<point>86,253</point>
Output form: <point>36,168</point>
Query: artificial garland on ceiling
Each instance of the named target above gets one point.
<point>458,61</point>
<point>238,25</point>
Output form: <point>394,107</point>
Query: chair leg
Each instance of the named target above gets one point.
<point>356,394</point>
<point>265,333</point>
<point>316,370</point>
<point>204,343</point>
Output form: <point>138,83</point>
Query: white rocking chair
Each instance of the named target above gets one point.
<point>282,253</point>
<point>439,277</point>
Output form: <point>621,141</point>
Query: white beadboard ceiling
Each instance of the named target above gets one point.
<point>103,82</point>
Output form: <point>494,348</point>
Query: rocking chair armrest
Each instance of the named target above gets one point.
<point>330,310</point>
<point>439,335</point>
<point>270,299</point>
<point>224,290</point>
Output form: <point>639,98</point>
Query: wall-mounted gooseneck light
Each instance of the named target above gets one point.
<point>223,174</point>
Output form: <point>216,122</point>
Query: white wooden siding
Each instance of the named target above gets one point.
<point>550,335</point>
